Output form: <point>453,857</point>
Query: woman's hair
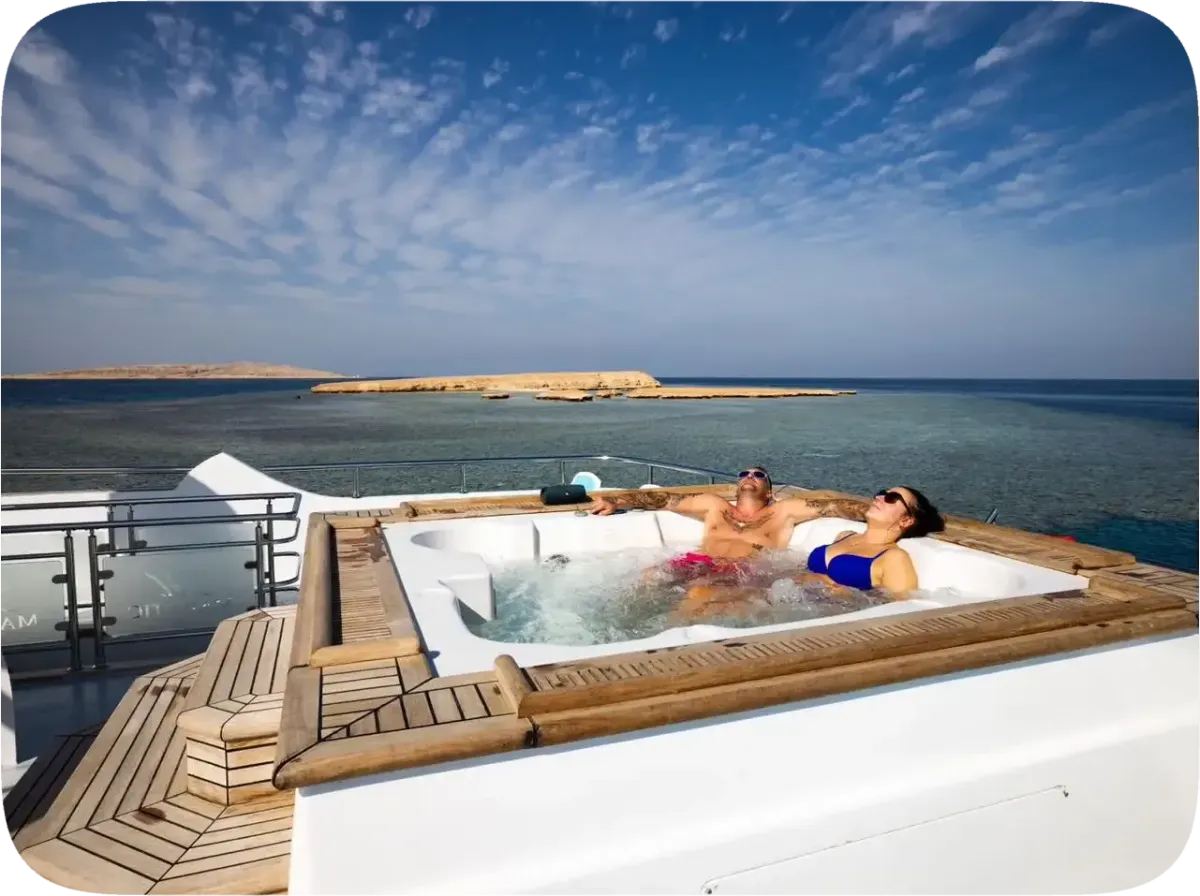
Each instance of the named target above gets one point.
<point>926,518</point>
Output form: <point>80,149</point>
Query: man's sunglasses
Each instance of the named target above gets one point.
<point>892,498</point>
<point>757,474</point>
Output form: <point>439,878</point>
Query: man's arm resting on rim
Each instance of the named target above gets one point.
<point>801,510</point>
<point>654,499</point>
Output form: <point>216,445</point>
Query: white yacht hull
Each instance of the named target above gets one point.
<point>1072,774</point>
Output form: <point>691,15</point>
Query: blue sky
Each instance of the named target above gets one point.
<point>742,189</point>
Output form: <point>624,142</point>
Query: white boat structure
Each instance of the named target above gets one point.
<point>312,714</point>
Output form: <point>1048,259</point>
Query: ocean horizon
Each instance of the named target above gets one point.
<point>1110,462</point>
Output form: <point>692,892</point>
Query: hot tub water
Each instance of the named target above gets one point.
<point>600,598</point>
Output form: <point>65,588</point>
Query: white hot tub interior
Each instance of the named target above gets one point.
<point>554,587</point>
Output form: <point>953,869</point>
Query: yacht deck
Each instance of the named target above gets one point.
<point>108,809</point>
<point>188,786</point>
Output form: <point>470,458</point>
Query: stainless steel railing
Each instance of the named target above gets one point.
<point>265,542</point>
<point>357,467</point>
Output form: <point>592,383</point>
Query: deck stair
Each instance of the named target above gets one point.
<point>231,715</point>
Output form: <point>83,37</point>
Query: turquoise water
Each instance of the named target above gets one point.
<point>1112,464</point>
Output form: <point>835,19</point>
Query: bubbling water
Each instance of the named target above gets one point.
<point>600,598</point>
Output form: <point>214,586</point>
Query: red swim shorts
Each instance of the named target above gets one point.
<point>698,564</point>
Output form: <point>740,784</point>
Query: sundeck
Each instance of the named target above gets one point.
<point>317,706</point>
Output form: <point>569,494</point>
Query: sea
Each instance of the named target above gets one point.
<point>1110,462</point>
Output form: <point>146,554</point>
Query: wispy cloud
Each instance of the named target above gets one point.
<point>389,199</point>
<point>1043,26</point>
<point>665,29</point>
<point>876,33</point>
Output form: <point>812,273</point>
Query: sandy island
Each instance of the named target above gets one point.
<point>239,370</point>
<point>620,380</point>
<point>571,386</point>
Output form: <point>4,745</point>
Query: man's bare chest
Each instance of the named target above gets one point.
<point>765,524</point>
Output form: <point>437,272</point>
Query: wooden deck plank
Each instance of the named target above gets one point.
<point>188,866</point>
<point>139,754</point>
<point>269,658</point>
<point>445,707</point>
<point>115,851</point>
<point>390,716</point>
<point>214,659</point>
<point>314,609</point>
<point>125,735</point>
<point>231,846</point>
<point>185,818</point>
<point>394,604</point>
<point>70,866</point>
<point>469,701</point>
<point>155,753</point>
<point>197,805</point>
<point>185,669</point>
<point>417,710</point>
<point>43,781</point>
<point>223,686</point>
<point>379,669</point>
<point>168,769</point>
<point>152,821</point>
<point>282,658</point>
<point>361,685</point>
<point>280,806</point>
<point>415,671</point>
<point>243,683</point>
<point>301,719</point>
<point>250,877</point>
<point>164,850</point>
<point>282,822</point>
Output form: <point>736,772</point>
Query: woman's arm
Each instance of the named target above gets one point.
<point>898,574</point>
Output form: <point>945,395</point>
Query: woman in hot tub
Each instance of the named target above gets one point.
<point>873,559</point>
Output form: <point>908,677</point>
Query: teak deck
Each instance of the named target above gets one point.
<point>107,810</point>
<point>187,786</point>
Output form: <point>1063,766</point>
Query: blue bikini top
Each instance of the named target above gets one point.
<point>845,569</point>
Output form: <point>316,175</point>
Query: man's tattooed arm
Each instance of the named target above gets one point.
<point>654,499</point>
<point>804,509</point>
<point>650,499</point>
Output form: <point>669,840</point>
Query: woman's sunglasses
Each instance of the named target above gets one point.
<point>757,474</point>
<point>892,498</point>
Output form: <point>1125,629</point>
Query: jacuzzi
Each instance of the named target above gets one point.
<point>446,569</point>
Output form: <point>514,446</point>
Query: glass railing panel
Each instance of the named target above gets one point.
<point>177,590</point>
<point>33,604</point>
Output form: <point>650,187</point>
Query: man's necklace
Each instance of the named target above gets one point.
<point>743,525</point>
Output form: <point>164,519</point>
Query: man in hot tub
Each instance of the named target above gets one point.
<point>734,533</point>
